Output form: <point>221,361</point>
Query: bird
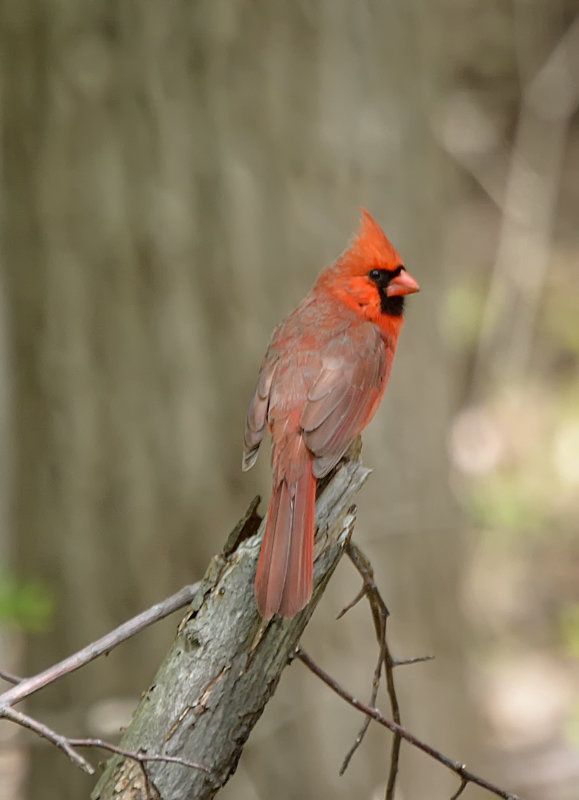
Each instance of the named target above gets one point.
<point>321,380</point>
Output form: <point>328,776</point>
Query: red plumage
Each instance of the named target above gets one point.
<point>320,383</point>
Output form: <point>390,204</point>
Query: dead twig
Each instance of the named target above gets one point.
<point>380,616</point>
<point>51,736</point>
<point>455,766</point>
<point>460,790</point>
<point>142,758</point>
<point>27,686</point>
<point>9,677</point>
<point>402,662</point>
<point>69,744</point>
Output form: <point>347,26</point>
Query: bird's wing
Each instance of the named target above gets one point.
<point>257,412</point>
<point>345,395</point>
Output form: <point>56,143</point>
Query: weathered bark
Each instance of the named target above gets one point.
<point>224,665</point>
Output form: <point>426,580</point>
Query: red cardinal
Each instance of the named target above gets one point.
<point>320,383</point>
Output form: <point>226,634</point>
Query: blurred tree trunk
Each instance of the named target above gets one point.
<point>175,175</point>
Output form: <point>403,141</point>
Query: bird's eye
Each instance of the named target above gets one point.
<point>374,275</point>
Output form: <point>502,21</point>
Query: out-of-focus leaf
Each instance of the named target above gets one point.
<point>503,502</point>
<point>27,605</point>
<point>561,321</point>
<point>569,627</point>
<point>572,727</point>
<point>463,312</point>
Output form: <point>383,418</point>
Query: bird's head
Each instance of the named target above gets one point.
<point>370,276</point>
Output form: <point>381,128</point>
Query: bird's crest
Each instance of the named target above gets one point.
<point>369,248</point>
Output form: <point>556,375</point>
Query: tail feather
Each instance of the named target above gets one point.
<point>284,578</point>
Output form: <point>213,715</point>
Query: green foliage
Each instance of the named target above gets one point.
<point>572,727</point>
<point>561,321</point>
<point>505,503</point>
<point>26,605</point>
<point>463,313</point>
<point>569,628</point>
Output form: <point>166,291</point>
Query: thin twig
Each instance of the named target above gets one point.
<point>361,594</point>
<point>51,736</point>
<point>29,686</point>
<point>68,744</point>
<point>455,766</point>
<point>380,615</point>
<point>460,790</point>
<point>403,662</point>
<point>362,732</point>
<point>9,677</point>
<point>377,670</point>
<point>141,757</point>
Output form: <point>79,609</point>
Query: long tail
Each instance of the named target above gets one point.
<point>283,582</point>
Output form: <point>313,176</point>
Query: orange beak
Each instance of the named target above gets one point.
<point>402,284</point>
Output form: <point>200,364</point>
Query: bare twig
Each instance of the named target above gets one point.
<point>455,766</point>
<point>28,686</point>
<point>51,736</point>
<point>380,615</point>
<point>69,744</point>
<point>140,757</point>
<point>403,662</point>
<point>356,557</point>
<point>365,725</point>
<point>361,594</point>
<point>9,677</point>
<point>460,790</point>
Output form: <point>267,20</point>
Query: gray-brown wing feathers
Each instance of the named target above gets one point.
<point>347,383</point>
<point>344,397</point>
<point>256,419</point>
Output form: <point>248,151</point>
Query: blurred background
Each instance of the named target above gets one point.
<point>174,176</point>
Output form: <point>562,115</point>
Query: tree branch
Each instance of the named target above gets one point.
<point>225,665</point>
<point>455,766</point>
<point>51,736</point>
<point>27,686</point>
<point>225,662</point>
<point>9,677</point>
<point>69,744</point>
